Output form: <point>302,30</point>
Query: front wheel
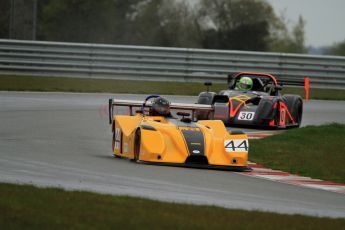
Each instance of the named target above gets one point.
<point>116,141</point>
<point>137,141</point>
<point>113,143</point>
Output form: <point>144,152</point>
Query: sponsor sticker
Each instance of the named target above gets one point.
<point>240,145</point>
<point>117,138</point>
<point>189,129</point>
<point>246,116</point>
<point>195,143</point>
<point>117,134</point>
<point>282,115</point>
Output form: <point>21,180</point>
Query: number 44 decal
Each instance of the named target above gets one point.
<point>236,145</point>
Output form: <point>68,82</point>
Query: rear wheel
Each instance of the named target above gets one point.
<point>297,111</point>
<point>295,106</point>
<point>137,141</point>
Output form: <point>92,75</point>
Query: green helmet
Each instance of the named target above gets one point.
<point>245,83</point>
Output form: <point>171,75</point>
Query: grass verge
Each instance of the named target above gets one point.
<point>28,207</point>
<point>53,84</point>
<point>314,151</point>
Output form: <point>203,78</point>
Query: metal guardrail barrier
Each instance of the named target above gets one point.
<point>35,58</point>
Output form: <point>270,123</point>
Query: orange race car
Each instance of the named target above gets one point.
<point>152,134</point>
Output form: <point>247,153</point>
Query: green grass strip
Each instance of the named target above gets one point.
<point>55,84</point>
<point>28,207</point>
<point>313,151</point>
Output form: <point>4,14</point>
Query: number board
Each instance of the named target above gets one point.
<point>246,116</point>
<point>240,145</point>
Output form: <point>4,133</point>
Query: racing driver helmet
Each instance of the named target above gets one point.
<point>245,83</point>
<point>160,107</point>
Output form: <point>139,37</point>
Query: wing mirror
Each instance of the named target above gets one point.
<point>208,84</point>
<point>279,87</point>
<point>183,114</point>
<point>185,117</point>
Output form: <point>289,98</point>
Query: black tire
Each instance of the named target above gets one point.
<point>137,141</point>
<point>277,118</point>
<point>295,105</point>
<point>298,111</point>
<point>113,143</point>
<point>265,111</point>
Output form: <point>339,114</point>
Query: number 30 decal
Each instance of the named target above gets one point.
<point>247,116</point>
<point>236,145</point>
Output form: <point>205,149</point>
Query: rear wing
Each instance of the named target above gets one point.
<point>132,104</point>
<point>298,82</point>
<point>291,82</point>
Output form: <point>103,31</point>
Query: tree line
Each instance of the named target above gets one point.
<point>218,24</point>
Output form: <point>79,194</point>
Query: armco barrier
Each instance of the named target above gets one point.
<point>36,58</point>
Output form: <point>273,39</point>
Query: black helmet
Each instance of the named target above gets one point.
<point>160,107</point>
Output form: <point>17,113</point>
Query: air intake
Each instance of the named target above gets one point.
<point>194,159</point>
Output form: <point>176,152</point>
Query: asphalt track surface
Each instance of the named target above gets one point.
<point>64,140</point>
